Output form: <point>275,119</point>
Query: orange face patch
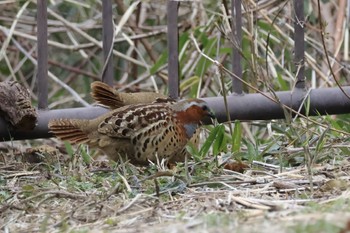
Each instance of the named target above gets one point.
<point>194,114</point>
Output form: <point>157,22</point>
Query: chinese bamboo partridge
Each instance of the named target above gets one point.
<point>104,94</point>
<point>137,132</point>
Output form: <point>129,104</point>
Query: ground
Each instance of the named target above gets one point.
<point>44,189</point>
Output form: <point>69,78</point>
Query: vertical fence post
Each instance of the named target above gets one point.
<point>107,31</point>
<point>236,21</point>
<point>299,45</point>
<point>173,47</point>
<point>42,77</point>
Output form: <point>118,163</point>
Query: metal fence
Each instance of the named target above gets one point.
<point>239,105</point>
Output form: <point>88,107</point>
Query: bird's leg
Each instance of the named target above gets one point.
<point>157,187</point>
<point>187,172</point>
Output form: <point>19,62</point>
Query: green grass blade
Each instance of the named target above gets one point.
<point>207,144</point>
<point>69,149</point>
<point>321,141</point>
<point>219,141</point>
<point>237,137</point>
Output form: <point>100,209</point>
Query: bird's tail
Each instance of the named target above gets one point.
<point>106,95</point>
<point>71,130</point>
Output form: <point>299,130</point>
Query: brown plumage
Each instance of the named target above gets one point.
<point>111,98</point>
<point>137,132</point>
<point>108,96</point>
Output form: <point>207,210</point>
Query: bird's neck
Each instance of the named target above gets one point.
<point>190,129</point>
<point>190,119</point>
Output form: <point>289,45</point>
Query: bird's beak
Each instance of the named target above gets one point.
<point>211,114</point>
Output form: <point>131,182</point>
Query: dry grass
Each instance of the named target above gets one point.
<point>57,193</point>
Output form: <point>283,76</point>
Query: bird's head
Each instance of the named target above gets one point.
<point>192,111</point>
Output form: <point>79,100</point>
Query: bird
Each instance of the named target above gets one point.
<point>107,96</point>
<point>139,133</point>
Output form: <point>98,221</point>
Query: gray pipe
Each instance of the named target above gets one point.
<point>242,107</point>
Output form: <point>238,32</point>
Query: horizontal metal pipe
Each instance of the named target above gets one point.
<point>41,130</point>
<point>242,107</point>
<point>258,107</point>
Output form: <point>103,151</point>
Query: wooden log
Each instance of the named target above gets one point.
<point>16,106</point>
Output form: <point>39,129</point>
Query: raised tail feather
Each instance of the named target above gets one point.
<point>69,130</point>
<point>106,95</point>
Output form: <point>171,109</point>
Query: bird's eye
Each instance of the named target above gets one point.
<point>205,108</point>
